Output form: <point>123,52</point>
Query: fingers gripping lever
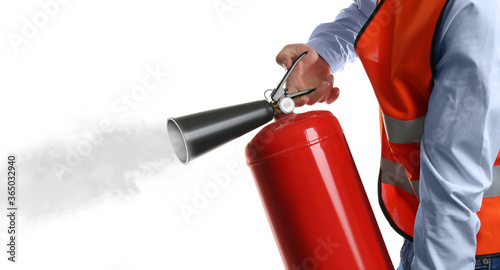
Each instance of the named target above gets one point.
<point>280,96</point>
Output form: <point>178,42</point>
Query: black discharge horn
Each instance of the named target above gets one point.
<point>193,135</point>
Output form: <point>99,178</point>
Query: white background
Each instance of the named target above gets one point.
<point>112,202</point>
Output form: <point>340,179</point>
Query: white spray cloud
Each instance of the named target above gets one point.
<point>109,169</point>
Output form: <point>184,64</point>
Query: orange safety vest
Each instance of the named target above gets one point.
<point>396,47</point>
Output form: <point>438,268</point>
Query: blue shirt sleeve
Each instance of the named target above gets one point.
<point>334,41</point>
<point>461,138</point>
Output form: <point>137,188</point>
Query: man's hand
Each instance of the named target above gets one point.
<point>311,72</point>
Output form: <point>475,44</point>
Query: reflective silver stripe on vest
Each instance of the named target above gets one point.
<point>400,131</point>
<point>394,174</point>
<point>494,190</point>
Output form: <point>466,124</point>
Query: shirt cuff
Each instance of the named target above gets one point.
<point>331,57</point>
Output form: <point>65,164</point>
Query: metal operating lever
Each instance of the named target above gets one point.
<point>280,96</point>
<point>280,91</point>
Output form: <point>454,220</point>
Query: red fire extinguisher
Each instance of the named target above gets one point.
<point>305,174</point>
<point>313,196</point>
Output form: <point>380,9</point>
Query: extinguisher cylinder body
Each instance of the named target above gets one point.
<point>313,196</point>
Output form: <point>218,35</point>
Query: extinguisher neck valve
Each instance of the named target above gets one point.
<point>286,105</point>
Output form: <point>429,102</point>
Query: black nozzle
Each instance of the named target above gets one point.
<point>193,135</point>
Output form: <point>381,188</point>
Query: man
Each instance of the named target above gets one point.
<point>434,66</point>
